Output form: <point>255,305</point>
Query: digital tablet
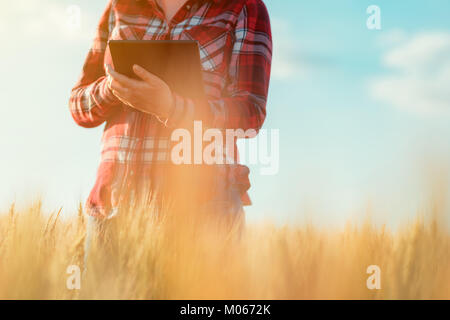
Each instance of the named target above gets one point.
<point>174,61</point>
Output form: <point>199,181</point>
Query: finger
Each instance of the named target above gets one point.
<point>124,80</point>
<point>108,82</point>
<point>145,75</point>
<point>108,67</point>
<point>116,85</point>
<point>122,98</point>
<point>126,101</point>
<point>124,94</point>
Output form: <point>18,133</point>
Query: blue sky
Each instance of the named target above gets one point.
<point>361,113</point>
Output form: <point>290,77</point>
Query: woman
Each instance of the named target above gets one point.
<point>235,47</point>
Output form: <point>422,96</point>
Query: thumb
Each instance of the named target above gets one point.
<point>143,74</point>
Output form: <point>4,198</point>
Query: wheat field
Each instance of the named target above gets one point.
<point>180,258</point>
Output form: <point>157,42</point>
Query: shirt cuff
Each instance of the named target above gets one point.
<point>107,98</point>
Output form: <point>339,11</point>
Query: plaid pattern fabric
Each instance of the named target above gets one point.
<point>235,47</point>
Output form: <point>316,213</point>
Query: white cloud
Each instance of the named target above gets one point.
<point>286,62</point>
<point>391,37</point>
<point>419,78</point>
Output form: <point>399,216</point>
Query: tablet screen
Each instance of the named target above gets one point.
<point>175,62</point>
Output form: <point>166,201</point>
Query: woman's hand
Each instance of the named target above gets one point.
<point>151,95</point>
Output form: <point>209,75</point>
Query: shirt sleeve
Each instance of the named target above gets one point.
<point>243,104</point>
<point>91,101</point>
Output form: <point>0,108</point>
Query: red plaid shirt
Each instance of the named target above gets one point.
<point>235,48</point>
